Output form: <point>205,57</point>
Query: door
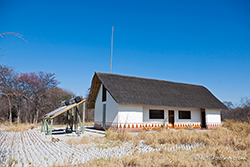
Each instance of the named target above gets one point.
<point>104,116</point>
<point>203,118</point>
<point>171,118</point>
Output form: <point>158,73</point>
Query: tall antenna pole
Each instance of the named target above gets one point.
<point>111,49</point>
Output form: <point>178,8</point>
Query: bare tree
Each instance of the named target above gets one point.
<point>8,85</point>
<point>11,33</point>
<point>25,97</point>
<point>238,113</point>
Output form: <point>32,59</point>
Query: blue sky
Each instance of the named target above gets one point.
<point>198,42</point>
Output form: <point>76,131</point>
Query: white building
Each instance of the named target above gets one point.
<point>135,104</point>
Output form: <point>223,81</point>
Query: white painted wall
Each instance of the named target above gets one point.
<point>132,113</point>
<point>98,106</point>
<point>146,113</point>
<point>213,116</point>
<point>195,114</point>
<point>129,113</point>
<point>111,108</point>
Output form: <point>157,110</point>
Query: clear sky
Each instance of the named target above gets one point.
<point>198,42</point>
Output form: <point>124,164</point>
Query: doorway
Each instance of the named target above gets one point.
<point>171,118</point>
<point>203,118</point>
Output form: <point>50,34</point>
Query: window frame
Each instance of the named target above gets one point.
<point>184,116</point>
<point>154,117</point>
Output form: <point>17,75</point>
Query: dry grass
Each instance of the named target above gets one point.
<point>203,156</point>
<point>85,140</point>
<point>112,139</point>
<point>235,139</point>
<point>17,127</point>
<point>228,146</point>
<point>122,136</point>
<point>64,125</point>
<point>89,123</point>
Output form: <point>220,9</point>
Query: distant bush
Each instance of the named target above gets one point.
<point>237,113</point>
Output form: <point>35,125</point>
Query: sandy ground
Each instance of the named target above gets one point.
<point>59,132</point>
<point>34,148</point>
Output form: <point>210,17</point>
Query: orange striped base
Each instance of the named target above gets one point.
<point>137,127</point>
<point>187,125</point>
<point>213,125</point>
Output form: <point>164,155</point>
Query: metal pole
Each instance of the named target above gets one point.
<point>111,50</point>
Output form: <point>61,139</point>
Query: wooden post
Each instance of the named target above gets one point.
<point>51,126</point>
<point>72,120</point>
<point>67,121</point>
<point>47,126</point>
<point>79,119</point>
<point>42,126</point>
<point>75,117</point>
<point>83,117</point>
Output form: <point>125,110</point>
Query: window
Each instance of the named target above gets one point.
<point>184,114</point>
<point>104,93</point>
<point>156,114</point>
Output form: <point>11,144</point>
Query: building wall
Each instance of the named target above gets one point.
<point>136,117</point>
<point>98,106</point>
<point>130,117</point>
<point>111,111</point>
<point>213,118</point>
<point>195,114</point>
<point>130,113</point>
<point>179,123</point>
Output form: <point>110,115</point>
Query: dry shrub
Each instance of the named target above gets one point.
<point>112,138</point>
<point>17,127</point>
<point>237,126</point>
<point>238,137</point>
<point>115,135</point>
<point>228,123</point>
<point>222,147</point>
<point>170,136</point>
<point>89,123</point>
<point>202,156</point>
<point>85,140</point>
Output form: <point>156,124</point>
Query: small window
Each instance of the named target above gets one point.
<point>104,93</point>
<point>156,114</point>
<point>184,114</point>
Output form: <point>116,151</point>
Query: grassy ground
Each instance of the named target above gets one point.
<point>227,146</point>
<point>16,127</point>
<point>64,125</point>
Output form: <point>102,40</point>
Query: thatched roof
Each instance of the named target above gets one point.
<point>134,90</point>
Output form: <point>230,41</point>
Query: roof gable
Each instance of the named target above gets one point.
<point>134,90</point>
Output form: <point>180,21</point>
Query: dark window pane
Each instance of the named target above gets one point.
<point>104,93</point>
<point>156,114</point>
<point>184,114</point>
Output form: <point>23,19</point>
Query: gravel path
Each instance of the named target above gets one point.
<point>28,149</point>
